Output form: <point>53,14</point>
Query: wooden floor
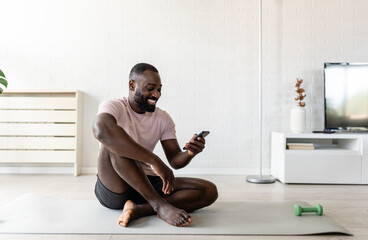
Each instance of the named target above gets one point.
<point>346,204</point>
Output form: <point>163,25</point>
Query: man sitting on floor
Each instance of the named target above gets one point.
<point>130,176</point>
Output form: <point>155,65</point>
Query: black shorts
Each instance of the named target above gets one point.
<point>116,201</point>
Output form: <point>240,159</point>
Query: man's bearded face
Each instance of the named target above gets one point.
<point>146,104</point>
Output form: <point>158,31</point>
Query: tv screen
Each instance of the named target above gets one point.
<point>346,95</point>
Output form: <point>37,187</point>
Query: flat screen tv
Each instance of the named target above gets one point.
<point>346,96</point>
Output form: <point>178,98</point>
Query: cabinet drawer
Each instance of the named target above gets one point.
<point>320,167</point>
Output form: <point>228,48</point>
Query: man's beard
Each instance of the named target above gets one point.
<point>142,102</point>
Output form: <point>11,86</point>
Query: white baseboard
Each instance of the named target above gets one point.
<point>221,171</point>
<point>37,170</point>
<point>89,170</point>
<point>93,170</point>
<point>203,171</point>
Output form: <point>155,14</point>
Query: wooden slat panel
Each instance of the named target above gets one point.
<point>37,156</point>
<point>38,103</point>
<point>30,129</point>
<point>37,143</point>
<point>79,147</point>
<point>27,114</point>
<point>37,116</point>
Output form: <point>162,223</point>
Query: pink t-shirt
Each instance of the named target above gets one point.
<point>146,129</point>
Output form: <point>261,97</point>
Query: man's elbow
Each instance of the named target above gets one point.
<point>98,131</point>
<point>176,167</point>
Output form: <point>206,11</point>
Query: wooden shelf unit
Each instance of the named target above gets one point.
<point>41,127</point>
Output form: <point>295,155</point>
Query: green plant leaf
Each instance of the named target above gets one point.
<point>2,74</point>
<point>1,90</point>
<point>3,81</point>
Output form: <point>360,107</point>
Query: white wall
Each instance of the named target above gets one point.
<point>207,55</point>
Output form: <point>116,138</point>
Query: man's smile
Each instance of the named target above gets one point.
<point>151,101</point>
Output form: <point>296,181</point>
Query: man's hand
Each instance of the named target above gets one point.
<point>195,146</point>
<point>166,174</point>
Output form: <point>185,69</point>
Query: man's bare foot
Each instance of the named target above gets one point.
<point>167,212</point>
<point>174,216</point>
<point>129,213</point>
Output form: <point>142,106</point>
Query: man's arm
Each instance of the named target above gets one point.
<point>106,130</point>
<point>116,140</point>
<point>176,157</point>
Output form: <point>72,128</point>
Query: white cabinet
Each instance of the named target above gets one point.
<point>336,159</point>
<point>41,129</point>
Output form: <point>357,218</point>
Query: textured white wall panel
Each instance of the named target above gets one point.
<point>207,55</point>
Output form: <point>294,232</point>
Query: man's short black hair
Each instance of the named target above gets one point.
<point>139,68</point>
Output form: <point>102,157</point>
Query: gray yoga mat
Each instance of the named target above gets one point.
<point>32,213</point>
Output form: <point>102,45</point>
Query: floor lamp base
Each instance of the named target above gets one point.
<point>261,179</point>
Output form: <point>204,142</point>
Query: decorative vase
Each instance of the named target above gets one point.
<point>297,119</point>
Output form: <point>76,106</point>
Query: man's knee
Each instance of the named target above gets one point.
<point>211,192</point>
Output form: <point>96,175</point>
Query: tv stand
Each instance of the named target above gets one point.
<point>324,131</point>
<point>337,158</point>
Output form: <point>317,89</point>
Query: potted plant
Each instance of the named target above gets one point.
<point>298,113</point>
<point>3,81</point>
<point>300,93</point>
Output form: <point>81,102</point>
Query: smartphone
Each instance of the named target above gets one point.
<point>202,134</point>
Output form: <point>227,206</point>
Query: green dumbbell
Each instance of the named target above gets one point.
<point>299,210</point>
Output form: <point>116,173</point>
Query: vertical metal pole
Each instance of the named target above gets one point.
<point>260,178</point>
<point>260,83</point>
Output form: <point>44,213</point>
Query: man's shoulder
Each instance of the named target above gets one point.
<point>160,112</point>
<point>113,106</point>
<point>163,115</point>
<point>123,102</point>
